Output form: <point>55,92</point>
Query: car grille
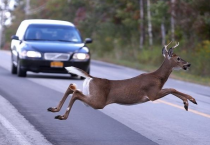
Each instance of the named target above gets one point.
<point>57,56</point>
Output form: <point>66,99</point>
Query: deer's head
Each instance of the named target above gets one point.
<point>176,61</point>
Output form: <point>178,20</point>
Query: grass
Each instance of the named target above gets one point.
<point>180,75</point>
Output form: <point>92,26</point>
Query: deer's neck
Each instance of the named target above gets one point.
<point>164,71</point>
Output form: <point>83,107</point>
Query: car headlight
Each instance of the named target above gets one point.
<point>81,56</point>
<point>33,54</point>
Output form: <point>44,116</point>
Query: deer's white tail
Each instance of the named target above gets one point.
<point>77,71</point>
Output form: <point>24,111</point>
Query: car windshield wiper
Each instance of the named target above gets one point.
<point>50,40</point>
<point>39,39</point>
<point>66,41</point>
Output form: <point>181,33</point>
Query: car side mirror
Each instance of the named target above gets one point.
<point>88,40</point>
<point>15,37</point>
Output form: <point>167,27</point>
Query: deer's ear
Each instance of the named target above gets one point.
<point>164,52</point>
<point>170,52</point>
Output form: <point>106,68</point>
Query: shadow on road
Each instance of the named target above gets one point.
<point>46,76</point>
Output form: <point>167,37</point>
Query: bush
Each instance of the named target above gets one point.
<point>201,58</point>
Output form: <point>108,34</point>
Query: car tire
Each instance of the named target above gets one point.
<point>13,68</point>
<point>20,72</point>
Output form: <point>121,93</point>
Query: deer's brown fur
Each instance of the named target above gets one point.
<point>139,89</point>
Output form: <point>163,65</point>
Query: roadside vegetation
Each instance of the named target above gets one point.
<point>133,32</point>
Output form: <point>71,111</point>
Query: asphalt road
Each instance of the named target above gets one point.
<point>24,119</point>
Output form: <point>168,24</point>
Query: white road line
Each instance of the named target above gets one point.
<point>20,131</point>
<point>14,132</point>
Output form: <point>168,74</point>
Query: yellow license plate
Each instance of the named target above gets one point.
<point>56,64</point>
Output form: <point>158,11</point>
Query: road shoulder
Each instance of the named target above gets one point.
<point>16,129</point>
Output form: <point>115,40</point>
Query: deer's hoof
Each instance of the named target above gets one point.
<point>51,109</point>
<point>60,117</point>
<point>186,107</point>
<point>194,101</point>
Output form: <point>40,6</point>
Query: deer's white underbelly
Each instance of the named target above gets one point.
<point>86,84</point>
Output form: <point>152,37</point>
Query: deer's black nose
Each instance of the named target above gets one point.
<point>189,65</point>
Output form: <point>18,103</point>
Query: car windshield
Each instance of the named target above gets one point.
<point>52,33</point>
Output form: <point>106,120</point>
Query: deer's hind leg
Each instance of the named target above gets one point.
<point>69,90</point>
<point>78,95</point>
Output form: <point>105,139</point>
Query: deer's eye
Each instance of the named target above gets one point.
<point>178,58</point>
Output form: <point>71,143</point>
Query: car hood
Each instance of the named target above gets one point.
<point>47,46</point>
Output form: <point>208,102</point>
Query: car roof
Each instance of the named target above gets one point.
<point>47,21</point>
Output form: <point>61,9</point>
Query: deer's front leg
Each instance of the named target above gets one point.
<point>185,95</point>
<point>69,90</point>
<point>176,93</point>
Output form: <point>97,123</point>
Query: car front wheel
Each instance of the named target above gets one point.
<point>13,68</point>
<point>20,72</point>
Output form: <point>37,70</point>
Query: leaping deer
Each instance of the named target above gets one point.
<point>98,92</point>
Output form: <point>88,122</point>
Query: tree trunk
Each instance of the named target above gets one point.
<point>27,9</point>
<point>149,23</point>
<point>141,23</point>
<point>2,27</point>
<point>172,20</point>
<point>163,32</point>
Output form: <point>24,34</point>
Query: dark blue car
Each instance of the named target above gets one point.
<point>48,46</point>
